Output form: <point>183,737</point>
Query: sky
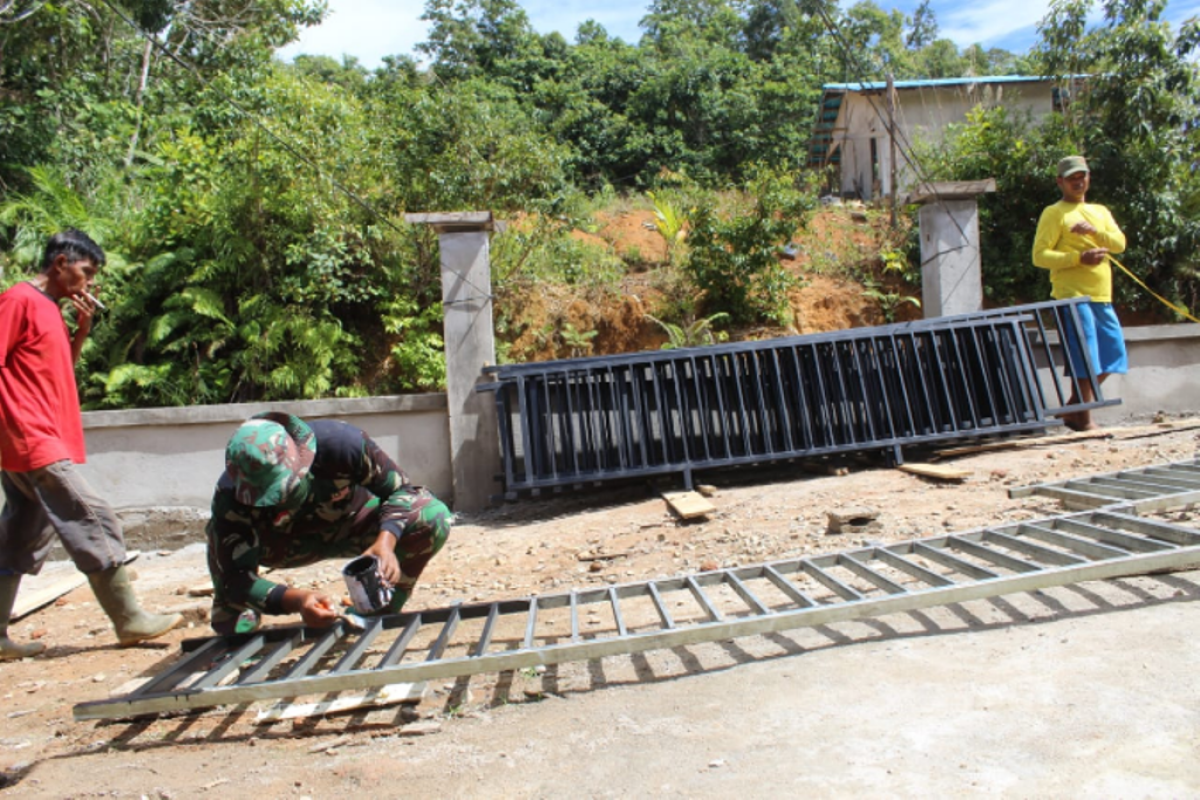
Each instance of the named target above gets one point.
<point>372,29</point>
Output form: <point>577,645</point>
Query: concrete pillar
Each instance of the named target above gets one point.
<point>951,277</point>
<point>463,238</point>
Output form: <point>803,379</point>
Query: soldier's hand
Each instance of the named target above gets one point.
<point>317,610</point>
<point>384,549</point>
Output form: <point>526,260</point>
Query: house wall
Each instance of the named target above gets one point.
<point>922,115</point>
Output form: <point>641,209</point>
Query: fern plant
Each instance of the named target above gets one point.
<point>695,333</point>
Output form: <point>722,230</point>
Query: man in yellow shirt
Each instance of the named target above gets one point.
<point>1073,240</point>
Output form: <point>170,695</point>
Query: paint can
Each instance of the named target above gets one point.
<point>369,592</point>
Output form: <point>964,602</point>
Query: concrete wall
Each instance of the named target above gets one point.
<point>172,457</point>
<point>1164,374</point>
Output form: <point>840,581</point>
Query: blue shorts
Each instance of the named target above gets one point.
<point>1103,338</point>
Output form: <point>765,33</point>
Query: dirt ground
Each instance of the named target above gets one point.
<point>1085,690</point>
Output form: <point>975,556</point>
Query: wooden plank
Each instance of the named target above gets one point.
<point>42,596</point>
<point>373,698</point>
<point>688,505</point>
<point>937,471</point>
<point>1040,441</point>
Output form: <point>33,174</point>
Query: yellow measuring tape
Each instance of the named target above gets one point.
<point>1181,310</point>
<point>1176,308</point>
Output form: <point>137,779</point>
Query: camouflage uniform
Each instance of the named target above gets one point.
<point>324,490</point>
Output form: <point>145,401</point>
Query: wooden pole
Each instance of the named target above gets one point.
<point>891,112</point>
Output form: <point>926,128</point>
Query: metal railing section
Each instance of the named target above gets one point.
<point>493,637</point>
<point>579,421</point>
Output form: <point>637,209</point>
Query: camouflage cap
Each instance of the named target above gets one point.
<point>268,456</point>
<point>1072,164</point>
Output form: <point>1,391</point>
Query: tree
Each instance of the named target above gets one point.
<point>922,28</point>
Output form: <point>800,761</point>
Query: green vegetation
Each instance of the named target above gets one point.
<point>253,210</point>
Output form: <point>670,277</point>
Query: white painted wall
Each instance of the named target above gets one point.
<point>922,114</point>
<point>172,457</point>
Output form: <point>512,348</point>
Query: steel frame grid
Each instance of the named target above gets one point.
<point>1145,490</point>
<point>729,603</point>
<point>587,420</point>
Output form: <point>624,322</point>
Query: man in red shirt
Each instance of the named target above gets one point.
<point>41,439</point>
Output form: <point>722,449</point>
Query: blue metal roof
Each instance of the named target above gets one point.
<point>878,86</point>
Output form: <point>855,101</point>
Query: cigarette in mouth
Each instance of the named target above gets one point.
<point>93,298</point>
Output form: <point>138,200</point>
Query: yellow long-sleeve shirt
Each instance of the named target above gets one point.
<point>1057,249</point>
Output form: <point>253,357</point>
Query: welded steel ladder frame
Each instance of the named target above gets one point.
<point>1018,557</point>
<point>1144,489</point>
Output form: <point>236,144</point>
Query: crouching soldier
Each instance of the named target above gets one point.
<point>294,493</point>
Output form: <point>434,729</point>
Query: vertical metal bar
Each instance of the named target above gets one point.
<point>663,415</point>
<point>320,647</point>
<point>947,559</point>
<point>550,438</point>
<point>359,648</point>
<point>783,409</point>
<point>822,397</point>
<point>896,561</point>
<point>615,602</point>
<point>574,615</point>
<point>1047,354</point>
<point>485,636</point>
<point>532,471</point>
<point>663,613</point>
<point>789,588</point>
<point>438,649</point>
<point>759,412</point>
<point>992,556</point>
<point>829,582</point>
<point>897,353</point>
<point>396,651</point>
<point>531,623</point>
<point>727,423</point>
<point>703,378</point>
<point>940,371</point>
<point>702,599</point>
<point>747,596</point>
<point>571,422</point>
<point>984,378</point>
<point>504,424</point>
<point>802,401</point>
<point>743,412</point>
<point>206,653</point>
<point>278,652</point>
<point>637,376</point>
<point>850,562</point>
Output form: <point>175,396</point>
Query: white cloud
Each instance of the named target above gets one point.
<point>988,23</point>
<point>365,29</point>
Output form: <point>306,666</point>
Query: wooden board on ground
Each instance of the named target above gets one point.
<point>34,595</point>
<point>688,505</point>
<point>373,698</point>
<point>1040,441</point>
<point>937,471</point>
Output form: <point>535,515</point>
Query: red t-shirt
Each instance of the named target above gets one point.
<point>40,421</point>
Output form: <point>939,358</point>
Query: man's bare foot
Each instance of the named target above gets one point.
<point>1079,422</point>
